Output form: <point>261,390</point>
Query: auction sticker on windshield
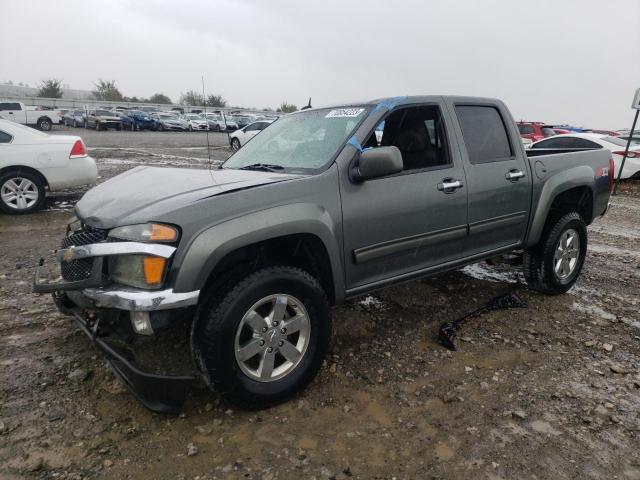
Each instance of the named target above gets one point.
<point>344,112</point>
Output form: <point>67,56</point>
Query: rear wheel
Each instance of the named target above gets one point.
<point>553,266</point>
<point>264,339</point>
<point>21,192</point>
<point>44,124</point>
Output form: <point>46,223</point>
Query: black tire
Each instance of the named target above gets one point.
<point>539,265</point>
<point>34,179</point>
<point>97,126</point>
<point>235,144</point>
<point>119,127</point>
<point>44,124</point>
<point>74,124</point>
<point>214,333</point>
<point>160,127</point>
<point>217,128</point>
<point>190,128</point>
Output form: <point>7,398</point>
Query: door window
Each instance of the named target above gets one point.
<point>485,134</point>
<point>525,129</point>
<point>5,137</point>
<point>419,134</point>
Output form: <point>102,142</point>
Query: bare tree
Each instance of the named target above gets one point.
<point>287,108</point>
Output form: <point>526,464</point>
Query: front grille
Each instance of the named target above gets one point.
<point>80,269</point>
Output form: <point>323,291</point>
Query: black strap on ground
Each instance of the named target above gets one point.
<point>448,330</point>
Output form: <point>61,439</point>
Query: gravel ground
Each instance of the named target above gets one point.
<point>547,392</point>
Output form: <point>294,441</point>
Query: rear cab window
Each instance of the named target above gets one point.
<point>484,133</point>
<point>5,137</point>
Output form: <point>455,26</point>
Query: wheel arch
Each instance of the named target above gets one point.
<point>24,168</point>
<point>570,190</point>
<point>299,235</point>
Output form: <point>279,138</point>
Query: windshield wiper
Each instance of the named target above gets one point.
<point>264,167</point>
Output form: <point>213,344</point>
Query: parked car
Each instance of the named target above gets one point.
<point>128,122</point>
<point>610,133</point>
<point>74,118</point>
<point>103,120</point>
<point>18,112</point>
<point>32,162</point>
<point>217,123</point>
<point>142,120</point>
<point>249,258</point>
<point>149,109</point>
<point>169,121</point>
<point>616,145</point>
<point>635,139</point>
<point>179,110</point>
<point>242,120</point>
<point>238,138</point>
<point>535,131</point>
<point>196,121</point>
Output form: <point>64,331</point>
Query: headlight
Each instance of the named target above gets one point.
<point>141,271</point>
<point>146,232</point>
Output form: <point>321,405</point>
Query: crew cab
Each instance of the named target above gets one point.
<point>314,210</point>
<point>18,112</point>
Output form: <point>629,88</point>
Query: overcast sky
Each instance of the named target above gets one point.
<point>555,61</point>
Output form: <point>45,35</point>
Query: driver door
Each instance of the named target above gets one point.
<point>406,223</point>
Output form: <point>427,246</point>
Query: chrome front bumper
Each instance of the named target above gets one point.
<point>97,290</point>
<point>136,300</point>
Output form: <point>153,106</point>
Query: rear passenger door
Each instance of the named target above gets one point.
<point>12,111</point>
<point>499,184</point>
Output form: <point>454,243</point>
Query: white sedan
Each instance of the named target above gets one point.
<point>576,141</point>
<point>238,138</point>
<point>32,162</point>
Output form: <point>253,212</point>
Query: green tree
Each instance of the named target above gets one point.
<point>287,108</point>
<point>192,97</point>
<point>50,88</point>
<point>159,98</point>
<point>106,90</point>
<point>216,101</point>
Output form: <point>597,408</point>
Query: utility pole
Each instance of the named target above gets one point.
<point>636,106</point>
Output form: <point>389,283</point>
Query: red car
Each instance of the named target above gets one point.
<point>535,130</point>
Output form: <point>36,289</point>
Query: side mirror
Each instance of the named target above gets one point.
<point>376,163</point>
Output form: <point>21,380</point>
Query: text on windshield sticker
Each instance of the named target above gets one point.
<point>344,112</point>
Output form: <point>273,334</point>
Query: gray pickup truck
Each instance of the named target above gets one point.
<point>315,209</point>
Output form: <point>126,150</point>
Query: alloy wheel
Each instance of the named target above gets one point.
<point>272,337</point>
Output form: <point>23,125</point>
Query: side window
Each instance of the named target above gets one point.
<point>5,137</point>
<point>526,129</point>
<point>418,132</point>
<point>252,127</point>
<point>484,133</point>
<point>584,143</point>
<point>14,106</point>
<point>4,107</point>
<point>557,142</point>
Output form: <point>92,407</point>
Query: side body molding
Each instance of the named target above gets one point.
<point>213,243</point>
<point>555,184</point>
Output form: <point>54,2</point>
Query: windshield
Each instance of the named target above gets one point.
<point>300,142</point>
<point>195,117</point>
<point>168,117</point>
<point>104,113</point>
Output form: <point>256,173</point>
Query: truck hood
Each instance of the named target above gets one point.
<point>145,193</point>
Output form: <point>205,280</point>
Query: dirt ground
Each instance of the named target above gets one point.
<point>547,392</point>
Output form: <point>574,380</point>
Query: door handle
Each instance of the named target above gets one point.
<point>514,175</point>
<point>449,185</point>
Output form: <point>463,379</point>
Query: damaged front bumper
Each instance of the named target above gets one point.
<point>104,311</point>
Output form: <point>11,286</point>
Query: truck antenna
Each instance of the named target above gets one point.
<point>204,100</point>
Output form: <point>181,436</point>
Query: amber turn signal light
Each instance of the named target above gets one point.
<point>153,270</point>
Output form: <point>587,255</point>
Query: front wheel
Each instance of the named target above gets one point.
<point>553,266</point>
<point>235,144</point>
<point>265,339</point>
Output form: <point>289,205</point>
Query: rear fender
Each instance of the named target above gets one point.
<point>553,186</point>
